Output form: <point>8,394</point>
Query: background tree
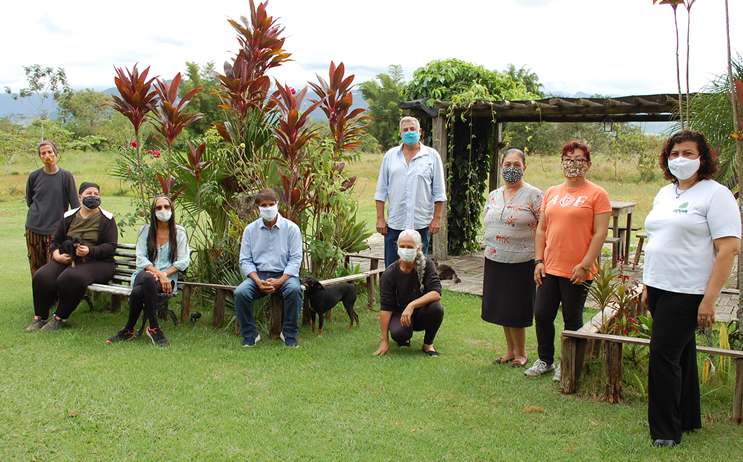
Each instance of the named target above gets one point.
<point>46,86</point>
<point>86,114</point>
<point>382,95</point>
<point>527,77</point>
<point>206,102</point>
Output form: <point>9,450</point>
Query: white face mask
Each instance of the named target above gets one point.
<point>407,255</point>
<point>683,168</point>
<point>163,215</point>
<point>269,213</point>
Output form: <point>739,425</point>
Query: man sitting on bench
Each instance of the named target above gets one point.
<point>270,257</point>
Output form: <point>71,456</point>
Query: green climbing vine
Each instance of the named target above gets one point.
<point>470,138</point>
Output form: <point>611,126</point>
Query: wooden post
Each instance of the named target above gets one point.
<point>494,182</point>
<point>573,350</point>
<point>738,397</point>
<point>371,290</point>
<point>276,315</point>
<point>219,300</point>
<point>185,304</point>
<point>613,358</point>
<point>115,303</point>
<point>440,144</point>
<point>306,315</point>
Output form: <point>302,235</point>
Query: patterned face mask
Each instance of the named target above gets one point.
<point>574,168</point>
<point>512,175</point>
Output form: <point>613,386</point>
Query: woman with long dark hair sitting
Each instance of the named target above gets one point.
<point>162,251</point>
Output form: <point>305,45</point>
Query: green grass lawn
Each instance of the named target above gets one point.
<point>67,395</point>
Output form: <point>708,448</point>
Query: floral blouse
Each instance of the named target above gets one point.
<point>510,227</point>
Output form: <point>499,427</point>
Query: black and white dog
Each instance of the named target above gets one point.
<point>322,299</point>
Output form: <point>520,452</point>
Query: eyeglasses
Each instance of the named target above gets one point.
<point>579,162</point>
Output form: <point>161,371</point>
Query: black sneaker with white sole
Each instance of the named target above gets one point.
<point>157,336</point>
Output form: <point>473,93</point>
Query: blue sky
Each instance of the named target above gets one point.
<point>618,47</point>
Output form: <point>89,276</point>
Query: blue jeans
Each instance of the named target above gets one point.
<point>248,291</point>
<point>390,244</point>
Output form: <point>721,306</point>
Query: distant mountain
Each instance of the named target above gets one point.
<point>8,106</point>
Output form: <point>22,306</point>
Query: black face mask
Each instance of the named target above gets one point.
<point>91,202</point>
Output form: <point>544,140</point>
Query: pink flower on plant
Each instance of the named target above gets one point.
<point>134,144</point>
<point>294,92</point>
<point>155,154</point>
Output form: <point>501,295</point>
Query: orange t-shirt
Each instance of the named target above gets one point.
<point>569,225</point>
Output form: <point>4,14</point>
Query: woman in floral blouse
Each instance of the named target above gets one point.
<point>511,217</point>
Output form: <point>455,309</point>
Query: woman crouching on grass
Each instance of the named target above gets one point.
<point>162,251</point>
<point>410,290</point>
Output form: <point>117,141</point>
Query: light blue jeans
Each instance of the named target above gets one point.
<point>247,292</point>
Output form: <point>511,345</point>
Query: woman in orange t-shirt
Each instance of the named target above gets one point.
<point>571,232</point>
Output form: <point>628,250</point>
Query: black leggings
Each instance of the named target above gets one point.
<point>55,279</point>
<point>145,290</point>
<point>550,294</point>
<point>428,318</point>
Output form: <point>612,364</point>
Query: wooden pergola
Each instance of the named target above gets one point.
<point>638,108</point>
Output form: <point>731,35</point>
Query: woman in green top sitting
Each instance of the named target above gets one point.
<point>94,260</point>
<point>162,251</point>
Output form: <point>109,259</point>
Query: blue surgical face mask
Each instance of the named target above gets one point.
<point>410,138</point>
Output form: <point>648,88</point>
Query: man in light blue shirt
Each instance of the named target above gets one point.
<point>270,256</point>
<point>412,179</point>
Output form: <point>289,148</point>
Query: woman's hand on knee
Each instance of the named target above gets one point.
<point>166,285</point>
<point>406,315</point>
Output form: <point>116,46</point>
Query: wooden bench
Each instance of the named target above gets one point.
<point>574,348</point>
<point>277,305</point>
<point>616,244</point>
<point>121,285</point>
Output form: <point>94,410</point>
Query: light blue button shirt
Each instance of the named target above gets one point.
<point>277,250</point>
<point>411,189</point>
<point>162,260</point>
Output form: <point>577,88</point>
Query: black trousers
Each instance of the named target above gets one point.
<point>145,292</point>
<point>673,377</point>
<point>427,318</point>
<point>554,291</point>
<point>55,279</point>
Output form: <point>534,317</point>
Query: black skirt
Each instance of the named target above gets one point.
<point>508,292</point>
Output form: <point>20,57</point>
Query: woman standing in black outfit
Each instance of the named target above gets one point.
<point>410,291</point>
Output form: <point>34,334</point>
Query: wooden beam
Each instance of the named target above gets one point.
<point>440,144</point>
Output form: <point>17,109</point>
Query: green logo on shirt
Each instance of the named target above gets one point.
<point>682,208</point>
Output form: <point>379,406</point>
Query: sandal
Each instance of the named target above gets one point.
<point>431,352</point>
<point>503,360</point>
<point>520,364</point>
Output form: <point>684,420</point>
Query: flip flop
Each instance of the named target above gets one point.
<point>520,364</point>
<point>503,360</point>
<point>431,352</point>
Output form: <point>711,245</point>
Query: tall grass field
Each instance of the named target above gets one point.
<point>68,395</point>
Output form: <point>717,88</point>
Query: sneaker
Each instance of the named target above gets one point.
<point>121,336</point>
<point>251,341</point>
<point>539,368</point>
<point>289,341</point>
<point>36,325</point>
<point>157,336</point>
<point>55,323</point>
<point>556,377</point>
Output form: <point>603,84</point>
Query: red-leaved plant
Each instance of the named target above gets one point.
<point>292,134</point>
<point>136,101</point>
<point>170,118</point>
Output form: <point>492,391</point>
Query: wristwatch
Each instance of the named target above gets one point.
<point>536,262</point>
